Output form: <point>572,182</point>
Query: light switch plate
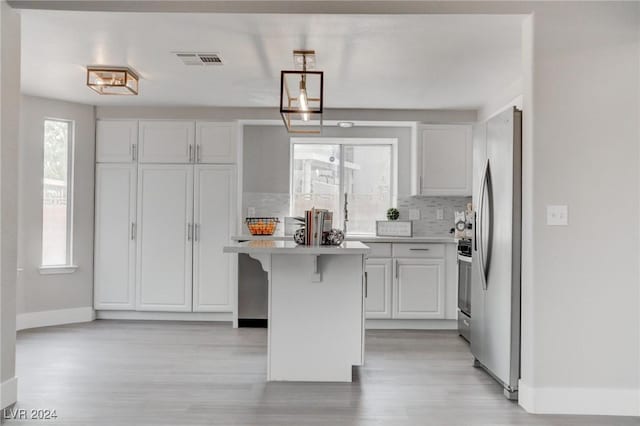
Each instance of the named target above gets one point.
<point>414,214</point>
<point>440,214</point>
<point>251,212</point>
<point>558,215</point>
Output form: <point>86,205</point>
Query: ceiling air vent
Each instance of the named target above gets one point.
<point>189,58</point>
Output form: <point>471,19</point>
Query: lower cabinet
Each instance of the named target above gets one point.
<point>115,245</point>
<point>159,233</point>
<point>165,232</point>
<point>419,289</point>
<point>378,292</point>
<point>411,287</point>
<point>213,214</point>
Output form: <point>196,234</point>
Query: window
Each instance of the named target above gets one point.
<point>323,170</point>
<point>56,193</point>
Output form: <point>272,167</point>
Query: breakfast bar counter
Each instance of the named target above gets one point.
<point>315,308</point>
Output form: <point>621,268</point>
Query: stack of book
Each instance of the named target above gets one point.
<point>318,223</point>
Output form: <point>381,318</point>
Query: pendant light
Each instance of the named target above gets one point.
<point>301,95</point>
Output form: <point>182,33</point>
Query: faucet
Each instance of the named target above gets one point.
<point>346,215</point>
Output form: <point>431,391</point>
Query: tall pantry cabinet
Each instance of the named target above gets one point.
<point>180,213</point>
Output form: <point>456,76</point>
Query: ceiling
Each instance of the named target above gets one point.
<point>370,61</point>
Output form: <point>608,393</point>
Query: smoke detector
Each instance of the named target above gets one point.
<point>199,59</point>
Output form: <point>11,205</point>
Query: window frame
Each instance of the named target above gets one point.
<point>342,142</point>
<point>68,266</point>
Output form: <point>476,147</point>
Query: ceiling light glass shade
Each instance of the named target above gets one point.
<point>112,80</point>
<point>301,101</point>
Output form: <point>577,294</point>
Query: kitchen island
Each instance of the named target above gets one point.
<point>315,308</point>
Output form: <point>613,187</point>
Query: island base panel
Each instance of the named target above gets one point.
<point>315,327</point>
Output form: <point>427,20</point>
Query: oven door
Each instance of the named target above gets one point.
<point>464,284</point>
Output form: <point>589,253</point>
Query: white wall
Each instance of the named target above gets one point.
<point>229,114</point>
<point>9,129</point>
<point>582,324</point>
<point>38,292</point>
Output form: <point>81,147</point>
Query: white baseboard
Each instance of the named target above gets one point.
<point>8,392</point>
<point>399,324</point>
<point>588,401</point>
<point>165,316</point>
<point>55,317</point>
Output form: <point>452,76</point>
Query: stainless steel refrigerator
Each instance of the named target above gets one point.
<point>495,287</point>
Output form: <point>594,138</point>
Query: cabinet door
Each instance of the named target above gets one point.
<point>165,229</point>
<point>166,142</point>
<point>419,289</point>
<point>378,294</point>
<point>215,142</point>
<point>115,249</point>
<point>214,217</point>
<point>116,141</point>
<point>446,160</point>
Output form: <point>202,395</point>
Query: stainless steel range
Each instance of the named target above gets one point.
<point>464,289</point>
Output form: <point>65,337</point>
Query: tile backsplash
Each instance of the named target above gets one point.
<point>277,204</point>
<point>429,224</point>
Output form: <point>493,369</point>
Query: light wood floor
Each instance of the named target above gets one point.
<point>168,373</point>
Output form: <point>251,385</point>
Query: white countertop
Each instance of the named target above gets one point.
<point>290,247</point>
<point>362,238</point>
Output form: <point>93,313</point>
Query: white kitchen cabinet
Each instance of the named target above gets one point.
<point>378,292</point>
<point>215,142</point>
<point>214,202</point>
<point>115,246</point>
<point>116,141</point>
<point>165,232</point>
<point>445,160</point>
<point>419,290</point>
<point>166,141</point>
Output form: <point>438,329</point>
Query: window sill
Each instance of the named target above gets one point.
<point>55,270</point>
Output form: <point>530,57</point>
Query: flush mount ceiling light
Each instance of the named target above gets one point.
<point>112,80</point>
<point>301,95</point>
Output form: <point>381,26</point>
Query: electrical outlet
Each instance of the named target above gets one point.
<point>414,214</point>
<point>558,215</point>
<point>440,214</point>
<point>251,212</point>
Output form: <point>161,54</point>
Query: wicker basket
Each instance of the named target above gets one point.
<point>262,225</point>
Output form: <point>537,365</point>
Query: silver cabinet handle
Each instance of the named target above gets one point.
<point>419,249</point>
<point>466,322</point>
<point>197,153</point>
<point>133,231</point>
<point>397,268</point>
<point>134,150</point>
<point>190,153</point>
<point>189,229</point>
<point>366,284</point>
<point>196,232</point>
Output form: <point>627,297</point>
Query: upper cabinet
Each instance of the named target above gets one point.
<point>116,141</point>
<point>444,160</point>
<point>166,142</point>
<point>183,142</point>
<point>215,142</point>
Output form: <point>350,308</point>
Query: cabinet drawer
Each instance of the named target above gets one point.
<point>419,250</point>
<point>379,249</point>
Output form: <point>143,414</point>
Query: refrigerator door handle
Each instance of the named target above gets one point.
<point>480,225</point>
<point>475,231</point>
